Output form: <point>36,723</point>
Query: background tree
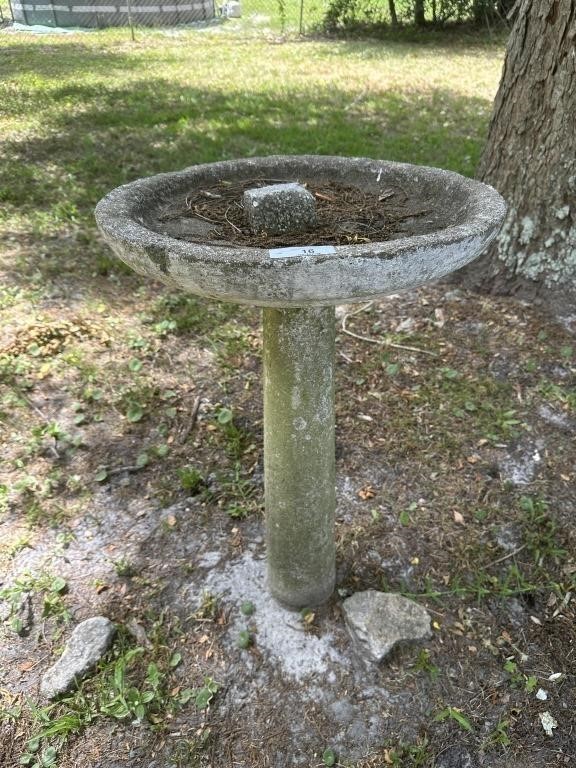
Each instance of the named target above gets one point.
<point>530,156</point>
<point>419,16</point>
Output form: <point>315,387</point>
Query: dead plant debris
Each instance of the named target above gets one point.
<point>346,215</point>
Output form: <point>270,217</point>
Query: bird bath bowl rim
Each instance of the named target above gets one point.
<point>248,274</point>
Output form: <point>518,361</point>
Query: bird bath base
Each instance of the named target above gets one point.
<point>298,289</point>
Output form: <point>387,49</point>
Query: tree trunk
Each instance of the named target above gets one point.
<point>419,18</point>
<point>530,157</point>
<point>393,14</point>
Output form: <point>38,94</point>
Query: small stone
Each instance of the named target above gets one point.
<point>87,644</point>
<point>455,756</point>
<point>379,620</point>
<point>279,208</point>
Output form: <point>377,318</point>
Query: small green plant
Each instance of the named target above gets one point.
<point>202,697</point>
<point>129,700</point>
<point>329,757</point>
<point>25,586</point>
<point>124,567</point>
<point>404,517</point>
<point>235,438</point>
<point>191,479</point>
<point>407,755</point>
<point>424,664</point>
<point>164,327</point>
<point>244,639</point>
<point>453,713</point>
<point>208,608</point>
<point>127,685</point>
<point>518,679</point>
<point>499,736</point>
<point>238,492</point>
<point>540,531</point>
<point>247,608</point>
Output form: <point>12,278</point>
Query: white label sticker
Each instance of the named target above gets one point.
<point>301,250</point>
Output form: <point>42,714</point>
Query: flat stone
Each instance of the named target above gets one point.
<point>378,620</point>
<point>280,208</point>
<point>87,644</point>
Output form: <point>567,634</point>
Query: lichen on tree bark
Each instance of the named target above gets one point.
<point>530,156</point>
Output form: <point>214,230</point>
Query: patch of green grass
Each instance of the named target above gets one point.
<point>541,534</point>
<point>192,315</point>
<point>561,394</point>
<point>404,755</point>
<point>130,683</point>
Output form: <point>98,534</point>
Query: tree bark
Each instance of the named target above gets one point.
<point>419,17</point>
<point>393,14</point>
<point>530,157</point>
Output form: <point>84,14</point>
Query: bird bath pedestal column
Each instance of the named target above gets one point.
<point>298,289</point>
<point>300,495</point>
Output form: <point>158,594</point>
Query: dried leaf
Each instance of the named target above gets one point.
<point>367,492</point>
<point>458,518</point>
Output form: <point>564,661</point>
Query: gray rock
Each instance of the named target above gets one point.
<point>86,646</point>
<point>379,620</point>
<point>455,756</point>
<point>280,208</point>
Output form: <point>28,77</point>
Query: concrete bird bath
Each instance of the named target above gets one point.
<point>298,288</point>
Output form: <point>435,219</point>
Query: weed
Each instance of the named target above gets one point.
<point>564,395</point>
<point>329,757</point>
<point>124,567</point>
<point>247,608</point>
<point>236,439</point>
<point>238,493</point>
<point>127,684</point>
<point>540,531</point>
<point>518,679</point>
<point>22,542</point>
<point>191,314</point>
<point>499,736</point>
<point>407,755</point>
<point>424,664</point>
<point>191,480</point>
<point>52,589</point>
<point>208,608</point>
<point>188,751</point>
<point>244,639</point>
<point>453,713</point>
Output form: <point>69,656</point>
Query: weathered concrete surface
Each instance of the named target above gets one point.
<point>379,620</point>
<point>279,208</point>
<point>465,216</point>
<point>300,493</point>
<point>88,643</point>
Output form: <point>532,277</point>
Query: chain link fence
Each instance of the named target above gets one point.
<point>243,17</point>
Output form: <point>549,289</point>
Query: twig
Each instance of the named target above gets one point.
<point>505,557</point>
<point>230,222</point>
<point>119,470</point>
<point>380,342</point>
<point>200,216</point>
<point>191,421</point>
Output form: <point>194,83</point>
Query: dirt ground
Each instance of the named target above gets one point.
<point>455,472</point>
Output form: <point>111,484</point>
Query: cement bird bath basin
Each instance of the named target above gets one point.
<point>298,288</point>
